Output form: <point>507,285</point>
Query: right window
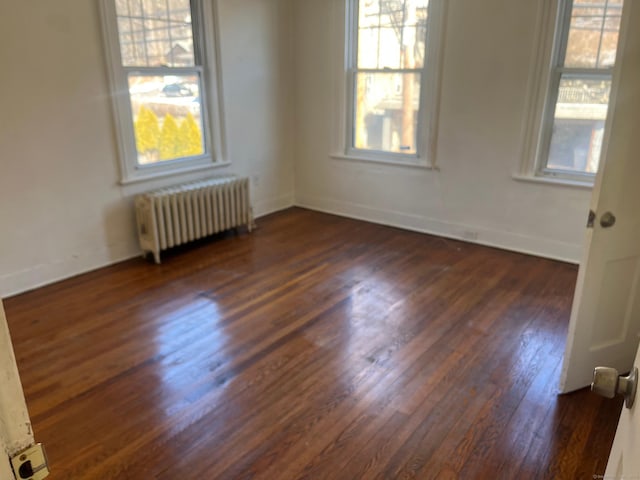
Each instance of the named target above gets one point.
<point>579,87</point>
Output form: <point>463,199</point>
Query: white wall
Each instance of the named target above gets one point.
<point>62,211</point>
<point>487,62</point>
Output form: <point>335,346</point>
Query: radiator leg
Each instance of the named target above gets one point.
<point>251,224</point>
<point>156,257</point>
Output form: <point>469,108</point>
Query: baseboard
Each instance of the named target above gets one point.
<point>536,246</point>
<point>272,205</point>
<point>41,275</point>
<point>45,274</point>
<point>79,263</point>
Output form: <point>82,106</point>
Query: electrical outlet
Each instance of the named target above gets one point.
<point>31,464</point>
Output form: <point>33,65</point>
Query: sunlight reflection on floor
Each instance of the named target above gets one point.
<point>184,340</point>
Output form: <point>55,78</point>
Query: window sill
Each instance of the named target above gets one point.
<point>382,161</point>
<point>553,181</point>
<point>155,180</point>
<point>172,173</point>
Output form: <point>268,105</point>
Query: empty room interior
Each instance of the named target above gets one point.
<point>305,239</point>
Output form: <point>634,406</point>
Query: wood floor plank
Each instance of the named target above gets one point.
<point>316,347</point>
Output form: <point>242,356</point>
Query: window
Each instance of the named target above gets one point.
<point>390,43</point>
<point>579,88</point>
<point>162,82</point>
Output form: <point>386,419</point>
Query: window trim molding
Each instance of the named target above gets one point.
<point>206,47</point>
<point>343,28</point>
<point>538,85</point>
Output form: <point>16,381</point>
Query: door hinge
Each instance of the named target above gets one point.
<point>31,464</point>
<point>591,219</point>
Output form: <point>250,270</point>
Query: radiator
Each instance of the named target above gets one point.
<point>182,213</point>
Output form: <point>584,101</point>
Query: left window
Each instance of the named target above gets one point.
<point>161,79</point>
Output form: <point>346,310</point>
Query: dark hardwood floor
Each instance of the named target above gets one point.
<point>316,347</point>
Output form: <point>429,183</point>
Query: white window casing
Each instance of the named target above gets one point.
<point>548,71</point>
<point>344,34</point>
<point>206,69</point>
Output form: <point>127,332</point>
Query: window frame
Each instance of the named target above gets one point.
<point>206,67</point>
<point>554,76</point>
<point>426,131</point>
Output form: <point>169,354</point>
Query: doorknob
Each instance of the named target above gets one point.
<point>607,383</point>
<point>607,220</point>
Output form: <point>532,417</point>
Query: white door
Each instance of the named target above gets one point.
<point>605,319</point>
<point>15,427</point>
<point>624,461</point>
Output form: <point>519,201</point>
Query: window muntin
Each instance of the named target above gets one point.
<point>387,75</point>
<point>580,86</point>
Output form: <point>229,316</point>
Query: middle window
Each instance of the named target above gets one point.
<point>387,57</point>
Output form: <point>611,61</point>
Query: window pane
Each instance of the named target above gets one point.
<point>593,34</point>
<point>386,111</point>
<point>607,57</point>
<point>154,33</point>
<point>167,117</point>
<point>578,125</point>
<point>391,33</point>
